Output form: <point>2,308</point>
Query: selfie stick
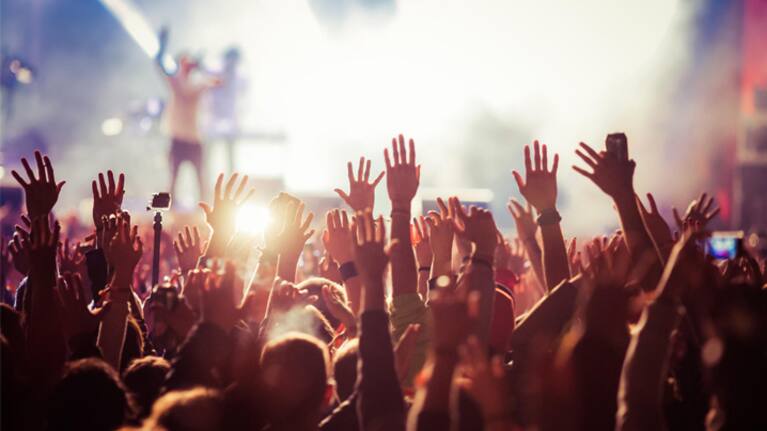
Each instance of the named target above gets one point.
<point>156,250</point>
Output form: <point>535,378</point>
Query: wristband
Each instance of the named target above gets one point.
<point>548,217</point>
<point>348,270</point>
<point>424,268</point>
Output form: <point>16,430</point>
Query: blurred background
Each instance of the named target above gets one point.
<point>322,82</point>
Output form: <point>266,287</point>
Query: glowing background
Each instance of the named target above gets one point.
<point>471,81</point>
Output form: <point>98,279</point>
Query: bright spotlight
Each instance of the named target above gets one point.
<point>112,126</point>
<point>252,218</point>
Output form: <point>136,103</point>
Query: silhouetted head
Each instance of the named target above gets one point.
<point>295,370</point>
<point>144,378</point>
<point>89,396</point>
<point>345,369</point>
<point>198,409</point>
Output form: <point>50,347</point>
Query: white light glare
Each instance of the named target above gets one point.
<point>112,126</point>
<point>252,219</point>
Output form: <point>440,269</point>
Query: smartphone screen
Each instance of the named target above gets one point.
<point>724,245</point>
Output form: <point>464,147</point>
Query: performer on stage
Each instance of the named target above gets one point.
<point>182,113</point>
<point>223,104</point>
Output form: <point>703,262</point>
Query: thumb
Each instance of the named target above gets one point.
<point>342,194</point>
<point>205,208</point>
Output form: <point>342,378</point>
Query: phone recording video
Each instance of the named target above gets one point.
<point>725,245</point>
<point>616,144</point>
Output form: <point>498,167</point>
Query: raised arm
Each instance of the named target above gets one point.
<point>526,228</point>
<point>45,345</point>
<point>402,179</point>
<point>449,313</point>
<point>615,177</point>
<point>222,215</point>
<point>46,349</point>
<point>295,232</point>
<point>479,227</point>
<point>647,359</point>
<point>423,253</point>
<point>540,189</point>
<point>442,232</point>
<point>337,239</point>
<point>380,403</point>
<point>123,254</point>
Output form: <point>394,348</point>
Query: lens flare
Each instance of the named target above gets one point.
<point>252,218</point>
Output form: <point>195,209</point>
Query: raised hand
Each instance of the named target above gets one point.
<point>655,224</point>
<point>699,211</point>
<point>71,259</point>
<point>284,295</point>
<point>107,196</point>
<point>441,231</point>
<point>295,230</point>
<point>43,244</point>
<point>510,255</point>
<point>124,250</point>
<point>188,248</point>
<point>18,247</point>
<point>370,255</point>
<point>523,219</point>
<point>330,269</point>
<point>608,264</point>
<point>478,226</point>
<point>422,242</point>
<point>77,318</point>
<point>339,309</point>
<point>337,236</point>
<point>222,215</point>
<point>612,175</point>
<point>540,184</point>
<point>41,192</point>
<point>486,381</point>
<point>462,242</point>
<point>219,306</point>
<point>574,257</point>
<point>402,175</point>
<point>361,191</point>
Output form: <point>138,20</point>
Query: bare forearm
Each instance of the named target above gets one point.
<point>46,345</point>
<point>637,238</point>
<point>403,266</point>
<point>286,266</point>
<point>480,277</point>
<point>536,258</point>
<point>555,266</point>
<point>111,337</point>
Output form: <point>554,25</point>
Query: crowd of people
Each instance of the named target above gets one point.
<point>419,322</point>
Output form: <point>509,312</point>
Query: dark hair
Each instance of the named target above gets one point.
<point>345,368</point>
<point>144,378</point>
<point>188,410</point>
<point>89,396</point>
<point>295,369</point>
